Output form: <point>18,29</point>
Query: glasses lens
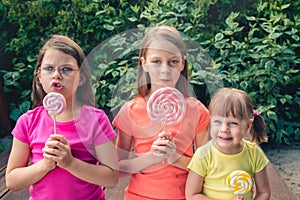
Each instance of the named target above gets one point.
<point>64,71</point>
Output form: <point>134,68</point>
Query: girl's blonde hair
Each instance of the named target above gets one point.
<point>68,46</point>
<point>169,34</point>
<point>239,104</point>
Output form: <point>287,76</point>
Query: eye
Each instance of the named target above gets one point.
<point>47,68</point>
<point>156,61</point>
<point>174,62</point>
<point>217,122</point>
<point>67,69</point>
<point>233,124</point>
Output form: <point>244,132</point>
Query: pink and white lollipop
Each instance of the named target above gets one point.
<point>55,103</point>
<point>167,106</point>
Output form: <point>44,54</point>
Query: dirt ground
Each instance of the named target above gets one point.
<point>286,159</point>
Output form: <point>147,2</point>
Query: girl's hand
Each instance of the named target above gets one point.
<point>49,163</point>
<point>238,198</point>
<point>58,150</point>
<point>165,147</point>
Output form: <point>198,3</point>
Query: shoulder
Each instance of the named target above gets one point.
<point>136,104</point>
<point>250,145</point>
<point>32,114</point>
<point>252,148</point>
<point>205,150</point>
<point>90,111</point>
<point>195,103</point>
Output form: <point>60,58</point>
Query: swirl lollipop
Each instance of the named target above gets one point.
<point>55,103</point>
<point>166,106</point>
<point>240,182</point>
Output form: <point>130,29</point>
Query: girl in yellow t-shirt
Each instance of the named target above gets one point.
<point>232,119</point>
<point>158,167</point>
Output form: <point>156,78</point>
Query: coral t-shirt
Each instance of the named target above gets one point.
<point>90,129</point>
<point>160,181</point>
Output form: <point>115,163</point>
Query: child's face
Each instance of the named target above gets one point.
<point>227,133</point>
<point>59,73</point>
<point>163,62</point>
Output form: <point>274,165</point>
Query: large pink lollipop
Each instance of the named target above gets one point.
<point>55,103</point>
<point>166,106</point>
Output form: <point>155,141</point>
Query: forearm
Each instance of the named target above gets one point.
<point>96,174</point>
<point>137,164</point>
<point>23,177</point>
<point>181,161</point>
<point>262,196</point>
<point>199,197</point>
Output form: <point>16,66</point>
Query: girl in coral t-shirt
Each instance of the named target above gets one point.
<point>158,167</point>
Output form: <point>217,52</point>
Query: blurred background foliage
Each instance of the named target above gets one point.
<point>248,44</point>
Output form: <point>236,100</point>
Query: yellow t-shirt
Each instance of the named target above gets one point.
<point>160,181</point>
<point>215,166</point>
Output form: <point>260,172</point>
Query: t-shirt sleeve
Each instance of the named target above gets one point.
<point>123,121</point>
<point>261,159</point>
<point>204,118</point>
<point>20,130</point>
<point>106,131</point>
<point>198,163</point>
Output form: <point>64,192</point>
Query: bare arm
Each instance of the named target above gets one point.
<point>263,191</point>
<point>182,161</point>
<point>104,174</point>
<point>18,174</point>
<point>193,189</point>
<point>128,163</point>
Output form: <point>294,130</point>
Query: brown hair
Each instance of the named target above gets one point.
<point>68,46</point>
<point>239,104</point>
<point>172,35</point>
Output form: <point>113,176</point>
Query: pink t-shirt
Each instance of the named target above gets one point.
<point>160,181</point>
<point>91,128</point>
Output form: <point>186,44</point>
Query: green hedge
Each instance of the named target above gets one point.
<point>255,48</point>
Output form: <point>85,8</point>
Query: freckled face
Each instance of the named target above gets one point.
<point>163,62</point>
<point>58,81</point>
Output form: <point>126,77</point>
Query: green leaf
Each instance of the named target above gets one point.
<point>108,27</point>
<point>219,36</point>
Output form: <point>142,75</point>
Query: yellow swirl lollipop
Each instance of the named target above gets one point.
<point>240,182</point>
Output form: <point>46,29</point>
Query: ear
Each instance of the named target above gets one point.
<point>143,62</point>
<point>183,63</point>
<point>82,80</point>
<point>249,126</point>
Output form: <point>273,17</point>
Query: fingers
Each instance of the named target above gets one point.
<point>165,135</point>
<point>58,149</point>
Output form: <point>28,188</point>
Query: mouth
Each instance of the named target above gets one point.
<point>57,86</point>
<point>225,138</point>
<point>164,79</point>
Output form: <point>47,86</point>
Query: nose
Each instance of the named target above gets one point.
<point>165,68</point>
<point>224,127</point>
<point>56,73</point>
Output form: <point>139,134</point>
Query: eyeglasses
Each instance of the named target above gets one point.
<point>64,71</point>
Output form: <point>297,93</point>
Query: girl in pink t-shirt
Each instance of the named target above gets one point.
<point>158,167</point>
<point>80,158</point>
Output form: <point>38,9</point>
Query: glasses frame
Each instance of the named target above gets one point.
<point>61,71</point>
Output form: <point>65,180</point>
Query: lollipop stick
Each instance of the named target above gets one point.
<point>164,129</point>
<point>54,116</point>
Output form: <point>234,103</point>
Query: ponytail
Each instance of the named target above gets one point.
<point>258,128</point>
